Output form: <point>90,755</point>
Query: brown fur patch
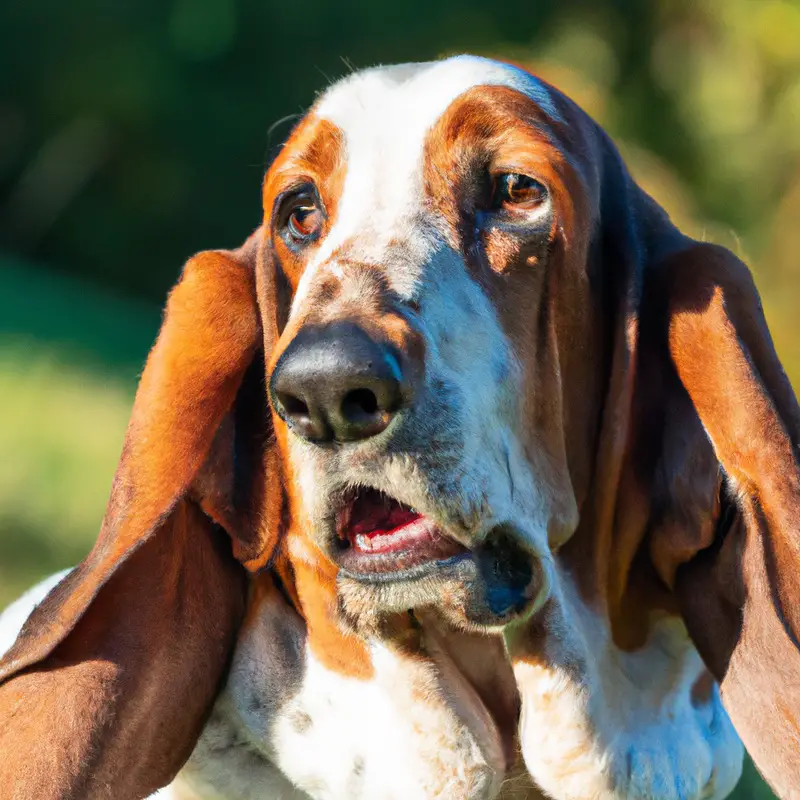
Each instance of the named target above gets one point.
<point>314,153</point>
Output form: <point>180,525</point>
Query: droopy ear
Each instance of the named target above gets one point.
<point>109,683</point>
<point>740,597</point>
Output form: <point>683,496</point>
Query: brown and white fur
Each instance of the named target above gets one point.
<point>593,392</point>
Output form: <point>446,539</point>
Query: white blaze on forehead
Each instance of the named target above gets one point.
<point>385,114</point>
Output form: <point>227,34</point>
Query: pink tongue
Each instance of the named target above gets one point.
<point>373,515</point>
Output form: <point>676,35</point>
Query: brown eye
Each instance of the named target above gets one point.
<point>304,222</point>
<point>511,189</point>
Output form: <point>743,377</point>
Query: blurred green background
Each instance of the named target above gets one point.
<point>135,133</point>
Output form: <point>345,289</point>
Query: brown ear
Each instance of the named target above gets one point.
<point>740,597</point>
<point>109,683</point>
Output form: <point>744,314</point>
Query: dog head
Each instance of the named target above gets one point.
<point>433,226</point>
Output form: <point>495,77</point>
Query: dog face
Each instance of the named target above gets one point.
<point>418,215</point>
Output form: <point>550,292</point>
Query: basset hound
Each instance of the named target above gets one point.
<point>467,476</point>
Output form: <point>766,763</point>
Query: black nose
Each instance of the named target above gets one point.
<point>336,382</point>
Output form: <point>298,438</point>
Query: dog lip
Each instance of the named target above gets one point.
<point>410,573</point>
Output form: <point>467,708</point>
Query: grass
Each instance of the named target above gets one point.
<point>70,356</point>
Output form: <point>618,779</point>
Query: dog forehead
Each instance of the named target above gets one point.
<point>409,98</point>
<point>404,101</point>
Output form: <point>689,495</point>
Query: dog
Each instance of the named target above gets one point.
<point>467,476</point>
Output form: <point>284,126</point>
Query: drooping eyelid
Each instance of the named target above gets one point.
<point>519,218</point>
<point>525,219</point>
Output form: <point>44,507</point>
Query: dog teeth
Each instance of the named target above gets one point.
<point>363,542</point>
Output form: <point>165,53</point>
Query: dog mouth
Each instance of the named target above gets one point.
<point>392,558</point>
<point>381,539</point>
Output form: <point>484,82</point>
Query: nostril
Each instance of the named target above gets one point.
<point>336,383</point>
<point>293,406</point>
<point>358,403</point>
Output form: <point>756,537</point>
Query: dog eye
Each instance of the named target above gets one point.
<point>305,221</point>
<point>512,189</point>
<point>300,216</point>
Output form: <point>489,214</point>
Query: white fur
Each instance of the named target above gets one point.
<point>13,618</point>
<point>601,723</point>
<point>427,751</point>
<point>169,793</point>
<point>293,728</point>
